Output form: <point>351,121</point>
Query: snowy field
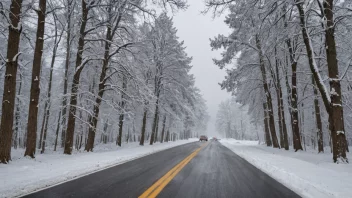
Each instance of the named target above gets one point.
<point>24,175</point>
<point>307,173</point>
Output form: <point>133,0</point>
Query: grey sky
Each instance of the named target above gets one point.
<point>196,29</point>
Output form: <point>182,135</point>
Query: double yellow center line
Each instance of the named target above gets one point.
<point>158,186</point>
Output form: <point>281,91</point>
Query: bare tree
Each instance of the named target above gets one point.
<point>9,95</point>
<point>35,89</point>
<point>86,7</point>
<point>333,104</point>
<point>57,39</point>
<point>267,95</point>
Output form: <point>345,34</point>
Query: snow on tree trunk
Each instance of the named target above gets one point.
<point>69,134</point>
<point>267,95</point>
<point>281,110</point>
<point>143,127</point>
<point>122,107</point>
<point>266,126</point>
<point>57,40</point>
<point>318,118</point>
<point>67,64</point>
<point>336,109</point>
<point>296,137</point>
<point>9,94</point>
<point>333,104</point>
<point>35,89</point>
<point>16,139</point>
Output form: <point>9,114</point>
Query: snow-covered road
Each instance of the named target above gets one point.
<point>309,174</point>
<point>25,175</point>
<point>195,170</point>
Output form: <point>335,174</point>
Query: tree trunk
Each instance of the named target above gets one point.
<point>42,130</point>
<point>163,130</point>
<point>17,115</point>
<point>336,109</point>
<point>35,89</point>
<point>297,145</point>
<point>268,96</point>
<point>310,54</point>
<point>75,83</point>
<point>157,129</point>
<point>143,127</point>
<point>57,131</point>
<point>294,98</point>
<point>119,135</point>
<point>80,142</point>
<point>281,111</point>
<point>154,121</point>
<point>318,119</point>
<point>104,135</point>
<point>284,126</point>
<point>278,109</point>
<point>48,103</point>
<point>122,106</point>
<point>8,100</point>
<point>67,64</point>
<point>333,104</point>
<point>89,146</point>
<point>77,142</point>
<point>92,130</point>
<point>293,91</point>
<point>289,96</point>
<point>93,120</point>
<point>302,133</point>
<point>284,123</point>
<point>266,126</point>
<point>167,136</point>
<point>45,130</point>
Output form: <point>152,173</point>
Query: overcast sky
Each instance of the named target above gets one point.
<point>196,29</point>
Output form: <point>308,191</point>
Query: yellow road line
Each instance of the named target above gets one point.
<point>168,174</point>
<point>158,186</point>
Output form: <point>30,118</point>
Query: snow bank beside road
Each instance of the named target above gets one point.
<point>309,174</point>
<point>24,175</point>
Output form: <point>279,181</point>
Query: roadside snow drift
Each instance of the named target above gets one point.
<point>24,175</point>
<point>307,173</point>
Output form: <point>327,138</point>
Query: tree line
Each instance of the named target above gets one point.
<point>291,68</point>
<point>79,73</point>
<point>233,121</point>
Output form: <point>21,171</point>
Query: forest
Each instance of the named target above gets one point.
<point>288,62</point>
<point>74,74</point>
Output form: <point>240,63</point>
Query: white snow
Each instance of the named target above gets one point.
<point>340,132</point>
<point>15,57</point>
<point>333,92</point>
<point>25,175</point>
<point>307,173</point>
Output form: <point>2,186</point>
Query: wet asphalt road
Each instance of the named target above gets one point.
<point>215,172</point>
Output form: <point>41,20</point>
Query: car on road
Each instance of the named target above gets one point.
<point>203,138</point>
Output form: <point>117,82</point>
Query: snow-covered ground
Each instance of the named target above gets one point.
<point>307,173</point>
<point>24,175</point>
